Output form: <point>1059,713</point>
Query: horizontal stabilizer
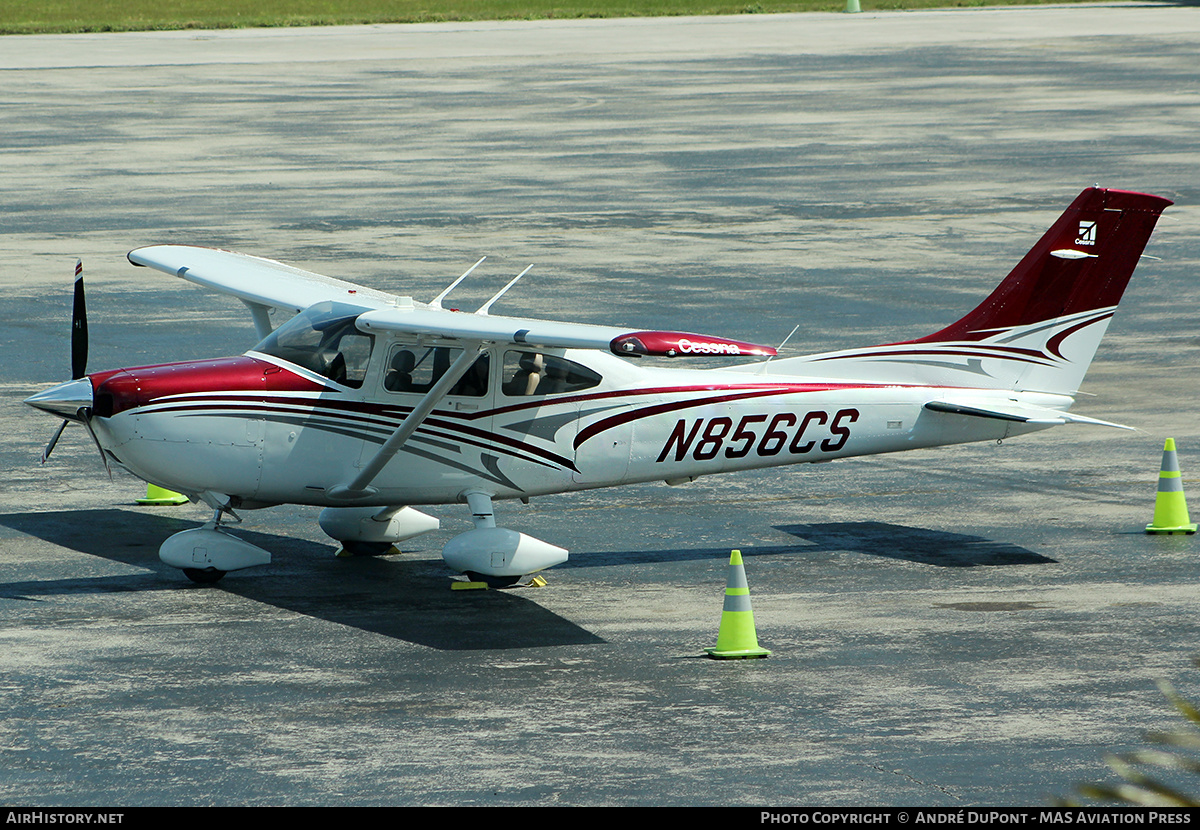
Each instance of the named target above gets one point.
<point>1015,411</point>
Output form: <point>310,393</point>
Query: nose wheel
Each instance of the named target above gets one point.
<point>204,576</point>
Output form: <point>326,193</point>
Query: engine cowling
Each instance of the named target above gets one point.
<point>500,552</point>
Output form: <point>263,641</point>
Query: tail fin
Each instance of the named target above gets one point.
<point>1040,328</point>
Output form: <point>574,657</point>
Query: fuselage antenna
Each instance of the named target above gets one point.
<point>436,302</point>
<point>779,348</point>
<point>483,309</point>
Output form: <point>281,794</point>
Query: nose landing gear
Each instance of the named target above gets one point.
<point>205,554</point>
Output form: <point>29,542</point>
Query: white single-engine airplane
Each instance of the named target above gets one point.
<point>366,403</point>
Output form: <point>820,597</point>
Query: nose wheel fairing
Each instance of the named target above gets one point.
<point>210,552</point>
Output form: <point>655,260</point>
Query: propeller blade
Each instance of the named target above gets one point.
<point>86,416</point>
<point>79,332</point>
<point>50,447</point>
<point>79,356</point>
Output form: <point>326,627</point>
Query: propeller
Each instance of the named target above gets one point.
<point>79,333</point>
<point>79,355</point>
<point>54,441</point>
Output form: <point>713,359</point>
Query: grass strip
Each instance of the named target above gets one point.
<point>67,16</point>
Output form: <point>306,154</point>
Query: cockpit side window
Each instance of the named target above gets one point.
<point>534,373</point>
<point>418,368</point>
<point>324,340</point>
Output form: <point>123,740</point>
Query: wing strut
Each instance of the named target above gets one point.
<point>360,486</point>
<point>262,318</point>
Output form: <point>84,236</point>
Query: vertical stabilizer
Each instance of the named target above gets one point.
<point>1039,329</point>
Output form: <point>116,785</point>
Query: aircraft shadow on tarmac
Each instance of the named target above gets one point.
<point>914,544</point>
<point>408,599</point>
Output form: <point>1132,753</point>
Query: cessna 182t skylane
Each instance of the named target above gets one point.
<point>366,403</point>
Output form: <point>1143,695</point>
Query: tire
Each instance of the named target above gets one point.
<point>206,576</point>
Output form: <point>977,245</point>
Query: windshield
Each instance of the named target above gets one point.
<point>323,339</point>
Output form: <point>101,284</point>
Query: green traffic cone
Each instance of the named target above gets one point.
<point>1170,505</point>
<point>161,496</point>
<point>736,637</point>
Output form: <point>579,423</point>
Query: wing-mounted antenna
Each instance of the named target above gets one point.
<point>436,302</point>
<point>486,307</point>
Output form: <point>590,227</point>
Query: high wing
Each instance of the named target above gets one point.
<point>254,280</point>
<point>263,283</point>
<point>552,334</point>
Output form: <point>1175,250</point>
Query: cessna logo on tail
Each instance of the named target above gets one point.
<point>1087,234</point>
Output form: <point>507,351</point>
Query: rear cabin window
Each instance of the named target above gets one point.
<point>534,373</point>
